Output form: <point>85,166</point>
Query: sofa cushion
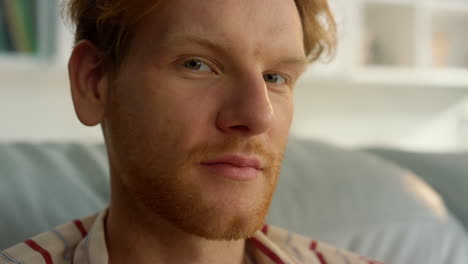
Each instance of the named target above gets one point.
<point>344,197</point>
<point>358,201</point>
<point>45,185</point>
<point>447,173</point>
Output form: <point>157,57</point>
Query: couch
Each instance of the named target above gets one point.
<point>391,205</point>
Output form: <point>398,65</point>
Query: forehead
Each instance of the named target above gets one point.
<point>256,25</point>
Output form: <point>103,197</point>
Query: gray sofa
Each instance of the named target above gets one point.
<point>390,205</point>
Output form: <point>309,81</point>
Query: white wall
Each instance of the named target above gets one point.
<point>405,117</point>
<point>36,105</point>
<point>35,101</point>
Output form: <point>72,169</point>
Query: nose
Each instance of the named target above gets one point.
<point>247,108</point>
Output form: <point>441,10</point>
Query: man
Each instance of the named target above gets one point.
<point>195,100</point>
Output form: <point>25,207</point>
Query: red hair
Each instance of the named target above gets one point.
<point>109,24</point>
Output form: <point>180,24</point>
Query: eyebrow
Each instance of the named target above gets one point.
<point>223,46</point>
<point>184,39</point>
<point>299,61</point>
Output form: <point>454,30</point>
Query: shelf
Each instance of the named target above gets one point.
<point>449,43</point>
<point>25,78</point>
<point>27,32</point>
<point>459,6</point>
<point>391,2</point>
<point>388,34</point>
<point>20,62</point>
<point>455,6</point>
<point>386,77</point>
<point>411,77</point>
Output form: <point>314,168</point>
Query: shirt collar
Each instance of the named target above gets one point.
<point>93,250</point>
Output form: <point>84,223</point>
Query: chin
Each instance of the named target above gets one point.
<point>197,204</point>
<point>215,220</point>
<point>213,216</point>
<point>234,230</point>
<point>223,226</point>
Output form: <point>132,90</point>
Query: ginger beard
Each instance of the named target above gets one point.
<point>172,188</point>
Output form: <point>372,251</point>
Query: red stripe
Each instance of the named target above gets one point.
<point>320,257</point>
<point>45,254</point>
<point>265,229</point>
<point>80,227</point>
<point>313,247</point>
<point>272,255</point>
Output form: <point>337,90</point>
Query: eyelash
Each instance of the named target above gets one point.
<point>214,68</point>
<point>285,77</point>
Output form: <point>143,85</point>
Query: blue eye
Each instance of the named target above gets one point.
<point>197,65</point>
<point>274,78</point>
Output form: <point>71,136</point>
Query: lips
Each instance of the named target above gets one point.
<point>234,167</point>
<point>236,161</point>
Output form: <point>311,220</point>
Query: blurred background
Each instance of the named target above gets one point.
<point>399,78</point>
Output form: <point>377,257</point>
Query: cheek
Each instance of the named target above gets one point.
<point>284,109</point>
<point>283,119</point>
<point>166,111</point>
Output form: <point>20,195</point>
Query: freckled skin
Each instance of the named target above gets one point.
<point>162,119</point>
<point>167,114</point>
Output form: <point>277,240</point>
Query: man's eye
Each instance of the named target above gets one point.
<point>197,65</point>
<point>274,78</point>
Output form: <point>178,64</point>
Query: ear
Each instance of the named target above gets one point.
<point>88,82</point>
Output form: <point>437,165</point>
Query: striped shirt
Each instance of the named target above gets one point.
<point>83,242</point>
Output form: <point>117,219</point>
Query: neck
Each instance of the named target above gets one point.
<point>136,236</point>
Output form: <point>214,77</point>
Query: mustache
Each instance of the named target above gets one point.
<point>250,147</point>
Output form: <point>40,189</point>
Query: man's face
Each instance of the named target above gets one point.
<point>206,81</point>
